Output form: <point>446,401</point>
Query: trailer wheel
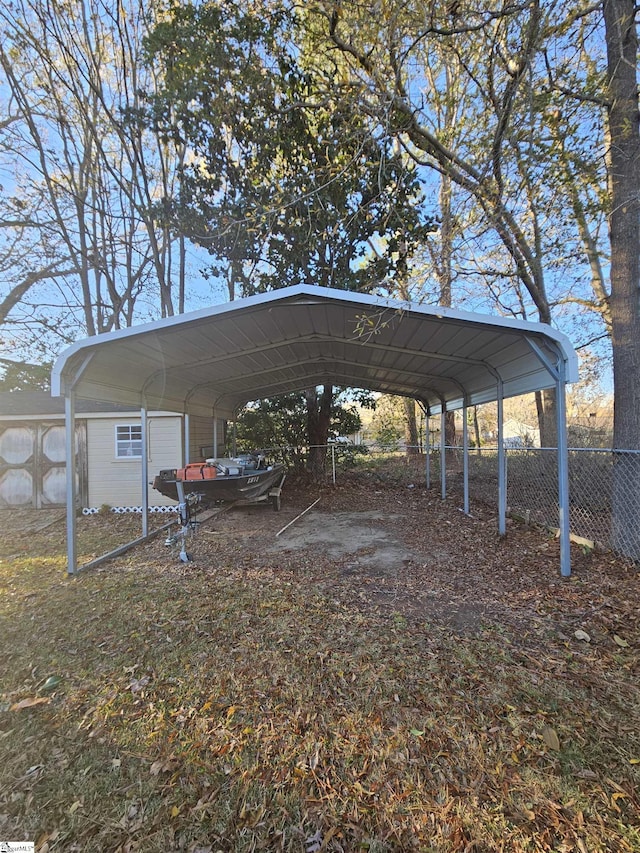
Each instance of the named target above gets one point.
<point>276,502</point>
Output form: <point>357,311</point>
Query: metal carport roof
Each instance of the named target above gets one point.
<point>213,361</point>
<point>222,357</point>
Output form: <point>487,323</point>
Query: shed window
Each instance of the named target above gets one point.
<point>128,441</point>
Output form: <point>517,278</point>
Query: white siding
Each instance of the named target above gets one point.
<point>116,482</point>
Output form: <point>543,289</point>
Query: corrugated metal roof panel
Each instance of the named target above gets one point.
<point>222,357</point>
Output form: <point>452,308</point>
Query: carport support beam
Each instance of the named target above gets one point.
<point>443,450</point>
<point>563,472</point>
<point>465,458</point>
<point>427,450</point>
<point>144,502</point>
<point>187,439</point>
<point>70,472</point>
<point>502,485</point>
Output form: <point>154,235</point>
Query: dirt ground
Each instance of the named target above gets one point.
<point>403,552</point>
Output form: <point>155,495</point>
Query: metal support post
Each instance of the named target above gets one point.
<point>144,503</point>
<point>427,451</point>
<point>443,459</point>
<point>187,440</point>
<point>563,473</point>
<point>465,458</point>
<point>502,485</point>
<point>70,449</point>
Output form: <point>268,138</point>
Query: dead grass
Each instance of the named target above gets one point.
<point>262,700</point>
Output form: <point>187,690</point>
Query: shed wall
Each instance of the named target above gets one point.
<point>201,438</point>
<point>116,482</point>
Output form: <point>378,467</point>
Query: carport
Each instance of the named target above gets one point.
<point>213,361</point>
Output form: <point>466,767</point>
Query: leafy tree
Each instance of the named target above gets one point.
<point>283,422</point>
<point>21,376</point>
<point>285,183</point>
<point>388,422</point>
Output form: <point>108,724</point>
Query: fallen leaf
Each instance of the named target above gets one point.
<point>585,773</point>
<point>614,801</point>
<point>314,842</point>
<point>29,703</point>
<point>582,635</point>
<point>163,765</point>
<point>51,683</point>
<point>74,808</point>
<point>620,642</point>
<point>550,737</point>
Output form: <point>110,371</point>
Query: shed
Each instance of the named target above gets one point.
<point>108,448</point>
<point>211,362</point>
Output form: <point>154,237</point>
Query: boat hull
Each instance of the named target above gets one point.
<point>249,485</point>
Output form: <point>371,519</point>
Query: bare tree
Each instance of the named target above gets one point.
<point>93,180</point>
<point>497,154</point>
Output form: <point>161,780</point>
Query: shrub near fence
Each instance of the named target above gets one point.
<point>531,480</point>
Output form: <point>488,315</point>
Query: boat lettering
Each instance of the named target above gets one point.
<point>252,480</point>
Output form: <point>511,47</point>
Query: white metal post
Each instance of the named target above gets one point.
<point>443,461</point>
<point>563,472</point>
<point>427,450</point>
<point>502,491</point>
<point>144,503</point>
<point>465,457</point>
<point>70,449</point>
<point>186,439</point>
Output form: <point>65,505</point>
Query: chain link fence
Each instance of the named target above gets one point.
<point>604,493</point>
<point>604,484</point>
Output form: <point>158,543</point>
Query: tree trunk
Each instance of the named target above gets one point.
<point>318,422</point>
<point>411,427</point>
<point>476,430</point>
<point>450,438</point>
<point>624,224</point>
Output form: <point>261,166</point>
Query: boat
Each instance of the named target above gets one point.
<point>247,478</point>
